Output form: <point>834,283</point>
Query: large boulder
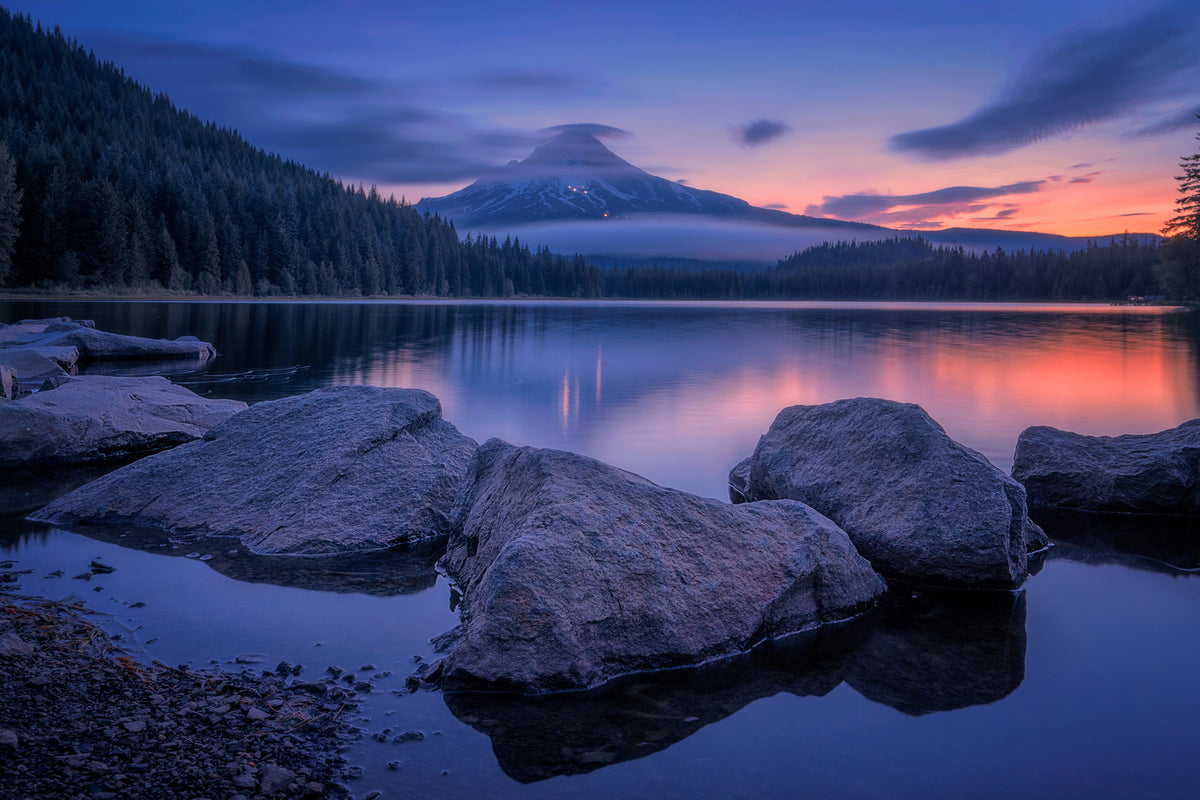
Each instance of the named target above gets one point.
<point>99,417</point>
<point>95,345</point>
<point>917,504</point>
<point>339,470</point>
<point>574,572</point>
<point>1157,473</point>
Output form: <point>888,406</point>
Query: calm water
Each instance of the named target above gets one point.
<point>1082,685</point>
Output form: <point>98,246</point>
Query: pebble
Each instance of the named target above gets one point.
<point>144,732</point>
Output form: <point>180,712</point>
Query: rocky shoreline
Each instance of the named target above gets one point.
<point>81,720</point>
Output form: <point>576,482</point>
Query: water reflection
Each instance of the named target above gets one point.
<point>24,490</point>
<point>936,652</point>
<point>1159,543</point>
<point>941,652</point>
<point>405,570</point>
<point>680,392</point>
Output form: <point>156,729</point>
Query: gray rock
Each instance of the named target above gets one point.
<point>574,572</point>
<point>338,470</point>
<point>1157,473</point>
<point>917,504</point>
<point>13,645</point>
<point>97,345</point>
<point>91,344</point>
<point>9,383</point>
<point>99,417</point>
<point>31,366</point>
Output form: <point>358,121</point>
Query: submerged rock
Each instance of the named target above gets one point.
<point>917,504</point>
<point>339,470</point>
<point>574,572</point>
<point>98,417</point>
<point>1157,473</point>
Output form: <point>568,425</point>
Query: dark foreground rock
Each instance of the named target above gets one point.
<point>81,721</point>
<point>1157,473</point>
<point>338,470</point>
<point>917,504</point>
<point>99,418</point>
<point>574,572</point>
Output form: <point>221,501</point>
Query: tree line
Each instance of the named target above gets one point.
<point>105,184</point>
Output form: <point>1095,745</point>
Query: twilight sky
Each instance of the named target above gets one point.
<point>1053,115</point>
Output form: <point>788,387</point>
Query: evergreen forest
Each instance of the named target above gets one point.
<point>106,185</point>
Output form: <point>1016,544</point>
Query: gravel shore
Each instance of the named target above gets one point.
<point>79,720</point>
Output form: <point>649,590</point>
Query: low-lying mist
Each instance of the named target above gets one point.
<point>678,236</point>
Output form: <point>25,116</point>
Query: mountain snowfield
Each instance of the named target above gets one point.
<point>575,195</point>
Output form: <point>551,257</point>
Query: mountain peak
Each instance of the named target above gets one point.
<point>572,175</point>
<point>574,148</point>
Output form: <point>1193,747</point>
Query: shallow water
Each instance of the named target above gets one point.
<point>1083,685</point>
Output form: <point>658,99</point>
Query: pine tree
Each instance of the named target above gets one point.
<point>10,211</point>
<point>1180,269</point>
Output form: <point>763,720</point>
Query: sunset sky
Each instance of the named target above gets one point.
<point>1065,117</point>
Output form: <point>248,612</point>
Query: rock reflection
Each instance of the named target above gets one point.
<point>935,652</point>
<point>1158,543</point>
<point>540,737</point>
<point>384,573</point>
<point>943,651</point>
<point>24,490</point>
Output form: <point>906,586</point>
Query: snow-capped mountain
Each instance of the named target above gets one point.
<point>573,176</point>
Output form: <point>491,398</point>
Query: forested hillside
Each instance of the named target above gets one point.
<point>104,184</point>
<point>118,188</point>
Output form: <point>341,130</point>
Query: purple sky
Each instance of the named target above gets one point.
<point>1067,117</point>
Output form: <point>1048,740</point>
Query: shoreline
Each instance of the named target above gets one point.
<point>84,719</point>
<point>430,300</point>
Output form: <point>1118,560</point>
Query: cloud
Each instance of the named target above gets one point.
<point>917,208</point>
<point>528,81</point>
<point>354,127</point>
<point>1184,118</point>
<point>760,132</point>
<point>1091,176</point>
<point>1136,214</point>
<point>589,128</point>
<point>1081,165</point>
<point>1083,78</point>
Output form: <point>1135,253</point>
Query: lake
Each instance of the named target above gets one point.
<point>1083,684</point>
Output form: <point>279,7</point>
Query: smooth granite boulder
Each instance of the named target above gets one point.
<point>339,470</point>
<point>917,504</point>
<point>1156,473</point>
<point>99,417</point>
<point>574,572</point>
